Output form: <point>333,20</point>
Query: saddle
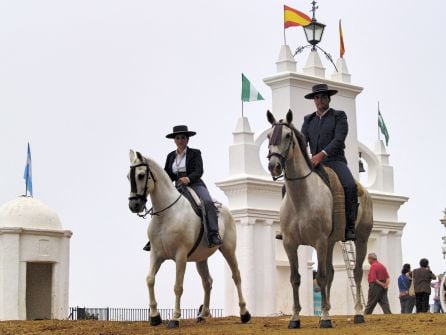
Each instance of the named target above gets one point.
<point>331,179</point>
<point>199,209</point>
<point>195,201</point>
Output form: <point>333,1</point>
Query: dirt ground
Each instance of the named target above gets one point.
<point>428,324</point>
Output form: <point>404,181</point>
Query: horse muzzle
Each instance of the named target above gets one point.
<point>137,204</point>
<point>275,166</point>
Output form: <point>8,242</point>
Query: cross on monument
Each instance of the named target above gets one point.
<point>314,8</point>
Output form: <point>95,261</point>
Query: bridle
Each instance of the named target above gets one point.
<point>133,189</point>
<point>275,140</point>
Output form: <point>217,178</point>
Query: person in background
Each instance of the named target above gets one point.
<point>404,281</point>
<point>317,297</point>
<point>436,286</point>
<point>422,278</point>
<point>379,281</point>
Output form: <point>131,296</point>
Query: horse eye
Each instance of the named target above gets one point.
<point>288,135</point>
<point>141,176</point>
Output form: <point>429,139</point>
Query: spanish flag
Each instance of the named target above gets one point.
<point>341,40</point>
<point>294,18</point>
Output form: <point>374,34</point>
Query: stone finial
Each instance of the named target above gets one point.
<point>314,66</point>
<point>381,152</point>
<point>342,75</point>
<point>243,132</point>
<point>286,62</point>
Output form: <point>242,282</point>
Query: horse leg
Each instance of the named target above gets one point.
<point>330,269</point>
<point>291,251</point>
<point>155,264</point>
<point>203,271</point>
<point>323,277</point>
<point>361,251</point>
<point>180,263</point>
<point>229,254</point>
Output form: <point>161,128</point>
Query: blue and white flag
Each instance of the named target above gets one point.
<point>28,175</point>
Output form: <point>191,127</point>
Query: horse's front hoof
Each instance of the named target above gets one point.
<point>294,324</point>
<point>359,319</point>
<point>155,320</point>
<point>200,320</point>
<point>326,324</point>
<point>245,317</point>
<point>173,324</point>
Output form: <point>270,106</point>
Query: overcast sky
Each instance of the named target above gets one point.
<point>85,81</point>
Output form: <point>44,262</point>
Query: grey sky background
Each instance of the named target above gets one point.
<point>85,81</point>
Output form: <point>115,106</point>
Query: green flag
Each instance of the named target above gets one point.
<point>249,93</point>
<point>382,127</point>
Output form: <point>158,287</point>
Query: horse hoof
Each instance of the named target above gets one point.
<point>155,320</point>
<point>326,324</point>
<point>245,317</point>
<point>294,324</point>
<point>173,324</point>
<point>359,319</point>
<point>200,320</point>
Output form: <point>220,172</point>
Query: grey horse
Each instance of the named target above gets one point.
<point>307,216</point>
<point>174,232</point>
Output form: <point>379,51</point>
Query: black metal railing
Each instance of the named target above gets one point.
<point>132,314</point>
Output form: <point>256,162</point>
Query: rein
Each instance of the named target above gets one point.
<point>275,140</point>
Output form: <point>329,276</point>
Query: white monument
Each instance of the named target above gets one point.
<point>255,199</point>
<point>34,262</point>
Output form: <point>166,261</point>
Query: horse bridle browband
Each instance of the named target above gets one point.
<point>133,189</point>
<point>284,158</point>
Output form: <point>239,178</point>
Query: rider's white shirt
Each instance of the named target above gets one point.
<point>179,163</point>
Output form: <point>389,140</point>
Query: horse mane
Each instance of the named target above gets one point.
<point>159,172</point>
<point>302,146</point>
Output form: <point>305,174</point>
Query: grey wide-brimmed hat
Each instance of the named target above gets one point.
<point>181,130</point>
<point>318,89</point>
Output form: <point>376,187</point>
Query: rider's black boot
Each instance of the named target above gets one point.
<point>147,247</point>
<point>214,239</point>
<point>351,215</point>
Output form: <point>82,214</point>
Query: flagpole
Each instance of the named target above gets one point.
<point>26,180</point>
<point>379,138</point>
<point>284,29</point>
<point>242,109</point>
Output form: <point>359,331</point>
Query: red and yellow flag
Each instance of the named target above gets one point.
<point>341,41</point>
<point>294,18</point>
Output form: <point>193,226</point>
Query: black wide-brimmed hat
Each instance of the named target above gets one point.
<point>180,130</point>
<point>320,89</point>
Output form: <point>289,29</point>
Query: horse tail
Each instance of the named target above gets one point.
<point>361,189</point>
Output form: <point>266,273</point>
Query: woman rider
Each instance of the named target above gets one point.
<point>185,167</point>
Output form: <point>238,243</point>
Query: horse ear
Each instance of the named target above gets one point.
<point>289,116</point>
<point>132,155</point>
<point>138,154</point>
<point>270,117</point>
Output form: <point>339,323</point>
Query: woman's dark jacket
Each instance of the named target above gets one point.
<point>194,166</point>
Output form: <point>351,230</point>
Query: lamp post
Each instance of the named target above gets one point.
<point>314,30</point>
<point>313,33</point>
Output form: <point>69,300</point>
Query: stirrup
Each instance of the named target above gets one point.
<point>350,235</point>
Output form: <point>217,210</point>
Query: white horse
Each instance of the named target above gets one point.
<point>174,234</point>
